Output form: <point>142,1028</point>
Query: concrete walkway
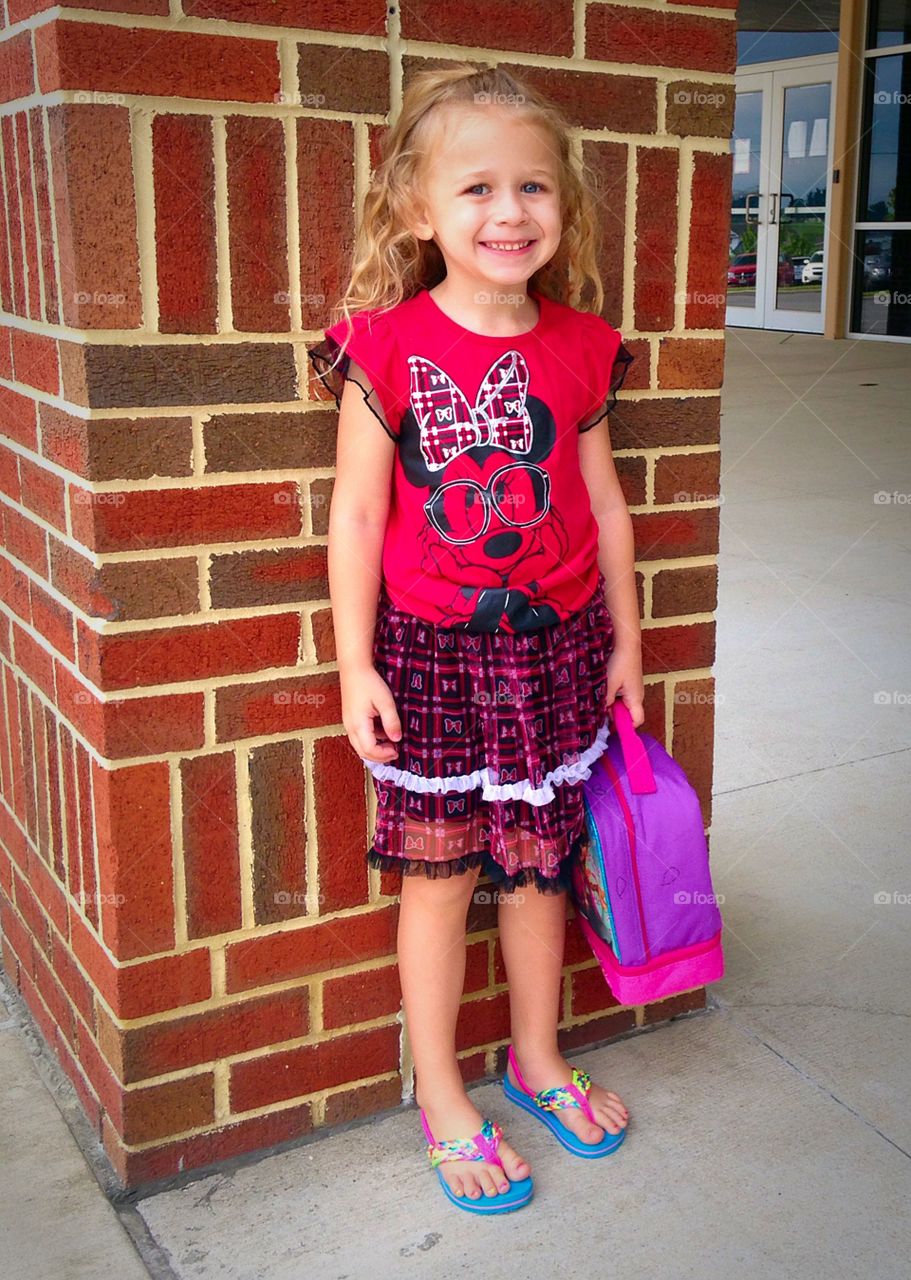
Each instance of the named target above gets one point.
<point>770,1135</point>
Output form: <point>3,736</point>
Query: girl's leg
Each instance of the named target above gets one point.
<point>431,955</point>
<point>532,933</point>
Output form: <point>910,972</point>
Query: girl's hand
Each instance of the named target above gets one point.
<point>366,697</point>
<point>624,680</point>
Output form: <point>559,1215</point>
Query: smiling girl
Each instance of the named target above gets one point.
<point>482,579</point>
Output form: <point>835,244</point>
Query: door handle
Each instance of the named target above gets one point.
<point>773,208</point>
<point>754,195</point>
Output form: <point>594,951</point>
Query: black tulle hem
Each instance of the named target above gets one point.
<point>523,878</point>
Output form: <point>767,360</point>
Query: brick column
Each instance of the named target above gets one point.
<point>184,901</point>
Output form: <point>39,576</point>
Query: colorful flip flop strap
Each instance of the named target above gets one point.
<point>466,1148</point>
<point>561,1096</point>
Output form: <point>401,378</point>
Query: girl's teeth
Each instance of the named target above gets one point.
<point>510,248</point>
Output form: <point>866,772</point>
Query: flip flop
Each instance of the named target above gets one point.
<point>483,1146</point>
<point>546,1101</point>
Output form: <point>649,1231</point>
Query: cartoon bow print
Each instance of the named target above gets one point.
<point>449,424</point>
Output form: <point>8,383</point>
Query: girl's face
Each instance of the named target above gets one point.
<point>491,179</point>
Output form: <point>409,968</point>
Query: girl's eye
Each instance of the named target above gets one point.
<point>471,190</point>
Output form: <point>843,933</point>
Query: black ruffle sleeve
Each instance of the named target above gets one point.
<point>622,361</point>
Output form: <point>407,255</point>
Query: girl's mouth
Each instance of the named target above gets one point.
<point>506,247</point>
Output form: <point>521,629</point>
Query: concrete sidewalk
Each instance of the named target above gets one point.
<point>770,1135</point>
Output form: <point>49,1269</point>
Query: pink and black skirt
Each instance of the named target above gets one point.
<point>499,731</point>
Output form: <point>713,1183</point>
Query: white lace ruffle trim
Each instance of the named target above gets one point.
<point>522,789</point>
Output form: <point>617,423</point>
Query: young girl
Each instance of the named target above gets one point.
<point>481,577</point>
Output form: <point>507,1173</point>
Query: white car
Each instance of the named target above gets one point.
<point>812,269</point>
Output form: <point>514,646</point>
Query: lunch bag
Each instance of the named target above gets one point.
<point>641,886</point>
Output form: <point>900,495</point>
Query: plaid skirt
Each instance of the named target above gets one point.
<point>499,731</point>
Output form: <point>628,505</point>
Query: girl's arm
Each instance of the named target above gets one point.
<point>616,560</point>
<point>358,515</point>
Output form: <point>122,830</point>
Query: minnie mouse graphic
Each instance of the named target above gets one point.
<point>488,508</point>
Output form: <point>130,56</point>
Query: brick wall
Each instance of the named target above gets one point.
<point>184,901</point>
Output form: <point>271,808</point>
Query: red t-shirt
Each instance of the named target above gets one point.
<point>490,525</point>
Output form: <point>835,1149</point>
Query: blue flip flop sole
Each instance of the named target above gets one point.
<point>588,1150</point>
<point>519,1193</point>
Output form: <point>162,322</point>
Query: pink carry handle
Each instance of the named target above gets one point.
<point>635,757</point>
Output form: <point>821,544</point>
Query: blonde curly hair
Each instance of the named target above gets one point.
<point>389,263</point>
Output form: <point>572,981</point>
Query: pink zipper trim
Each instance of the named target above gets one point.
<point>631,833</point>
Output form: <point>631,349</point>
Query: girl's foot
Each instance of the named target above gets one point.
<point>455,1117</point>
<point>551,1070</point>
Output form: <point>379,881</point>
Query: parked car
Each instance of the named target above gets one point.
<point>798,265</point>
<point>812,268</point>
<point>742,270</point>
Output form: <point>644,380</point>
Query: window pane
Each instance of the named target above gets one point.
<point>882,283</point>
<point>890,23</point>
<point>885,169</point>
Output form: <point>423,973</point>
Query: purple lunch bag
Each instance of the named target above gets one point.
<point>641,885</point>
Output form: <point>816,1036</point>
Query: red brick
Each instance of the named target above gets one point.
<point>74,984</point>
<point>293,1073</point>
<point>361,17</point>
<point>692,589</point>
<point>25,539</point>
<point>656,237</point>
<point>276,706</point>
<point>542,26</point>
<point>254,1134</point>
<point>35,361</point>
<point>688,532</point>
<point>40,761</point>
<point>156,61</point>
<point>92,161</point>
<point>361,997</point>
<point>688,477</point>
<point>54,798</point>
<point>159,1047</point>
<point>280,576</point>
<point>135,872</point>
<point>6,283</point>
<point>16,933</point>
<point>9,473</point>
<point>140,520</point>
<point>127,660</point>
<point>125,590</point>
<point>132,726</point>
<point>53,620</point>
<point>45,222</point>
<point>352,80</point>
<point>257,236</point>
<point>589,992</point>
<point>15,742</point>
<point>28,756</point>
<point>709,250</point>
<point>690,362</point>
<point>14,214</point>
<point>17,73</point>
<point>582,1034</point>
<point>315,948</point>
<point>34,661</point>
<point>340,796</point>
<point>55,999</point>
<point>89,881</point>
<point>184,178</point>
<point>18,418</point>
<point>117,448</point>
<point>140,989</point>
<point>19,10</point>
<point>30,229</point>
<point>163,1110</point>
<point>326,224</point>
<point>279,833</point>
<point>210,843</point>
<point>674,1006</point>
<point>49,893</point>
<point>620,33</point>
<point>43,493</point>
<point>363,1100</point>
<point>73,876</point>
<point>482,1021</point>
<point>694,736</point>
<point>677,648</point>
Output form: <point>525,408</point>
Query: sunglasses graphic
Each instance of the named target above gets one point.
<point>460,509</point>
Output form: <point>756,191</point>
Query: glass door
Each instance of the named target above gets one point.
<point>781,167</point>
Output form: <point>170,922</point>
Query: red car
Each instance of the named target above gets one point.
<point>742,271</point>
